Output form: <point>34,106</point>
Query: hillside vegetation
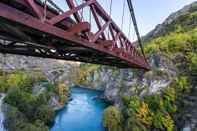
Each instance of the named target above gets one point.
<point>175,39</point>
<point>179,44</point>
<point>27,105</point>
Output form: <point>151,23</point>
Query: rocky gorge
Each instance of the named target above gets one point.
<point>171,51</point>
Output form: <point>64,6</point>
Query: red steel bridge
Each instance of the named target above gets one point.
<point>40,28</point>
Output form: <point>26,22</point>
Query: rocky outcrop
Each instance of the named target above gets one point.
<point>186,118</point>
<point>54,100</point>
<point>127,82</point>
<point>1,113</point>
<point>55,70</point>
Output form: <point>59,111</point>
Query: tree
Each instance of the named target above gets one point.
<point>112,119</point>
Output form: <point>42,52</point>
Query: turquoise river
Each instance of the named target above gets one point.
<point>82,113</point>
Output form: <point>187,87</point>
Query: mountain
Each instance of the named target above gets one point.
<point>185,18</point>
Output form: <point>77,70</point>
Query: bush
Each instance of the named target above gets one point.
<point>112,119</point>
<point>45,114</point>
<point>37,126</point>
<point>43,98</point>
<point>151,112</point>
<point>23,101</point>
<point>16,121</point>
<point>12,118</point>
<point>3,84</point>
<point>144,115</point>
<point>28,111</point>
<point>63,92</point>
<point>19,79</point>
<point>182,84</point>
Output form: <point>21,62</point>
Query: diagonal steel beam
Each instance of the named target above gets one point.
<point>34,24</point>
<point>61,17</point>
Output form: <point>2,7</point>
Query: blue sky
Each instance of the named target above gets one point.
<point>149,13</point>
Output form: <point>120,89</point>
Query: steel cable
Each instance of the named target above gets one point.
<point>131,9</point>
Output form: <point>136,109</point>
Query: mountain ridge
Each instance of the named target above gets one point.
<point>162,29</point>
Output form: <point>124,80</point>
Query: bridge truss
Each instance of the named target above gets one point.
<point>41,29</point>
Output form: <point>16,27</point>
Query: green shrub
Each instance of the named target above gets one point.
<point>23,101</point>
<point>151,112</point>
<point>16,121</point>
<point>182,84</point>
<point>42,98</point>
<point>155,102</point>
<point>28,111</point>
<point>44,113</point>
<point>63,92</point>
<point>3,84</point>
<point>38,126</point>
<point>20,79</point>
<point>112,119</point>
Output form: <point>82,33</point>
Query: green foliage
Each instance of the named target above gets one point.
<point>151,112</point>
<point>112,119</point>
<point>177,41</point>
<point>154,111</point>
<point>32,107</point>
<point>155,102</point>
<point>168,122</point>
<point>169,99</point>
<point>144,115</point>
<point>3,84</point>
<point>83,71</point>
<point>133,105</point>
<point>20,79</point>
<point>30,111</point>
<point>182,84</point>
<point>38,126</point>
<point>16,121</point>
<point>132,108</point>
<point>180,47</point>
<point>63,92</point>
<point>22,100</point>
<point>44,113</point>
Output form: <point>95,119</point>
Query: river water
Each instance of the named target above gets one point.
<point>82,113</point>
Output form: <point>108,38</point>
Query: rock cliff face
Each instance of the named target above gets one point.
<point>55,70</point>
<point>186,119</point>
<point>115,82</point>
<point>1,113</point>
<point>121,82</point>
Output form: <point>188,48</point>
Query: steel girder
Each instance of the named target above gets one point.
<point>47,33</point>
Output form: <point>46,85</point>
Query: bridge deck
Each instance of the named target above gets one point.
<point>30,28</point>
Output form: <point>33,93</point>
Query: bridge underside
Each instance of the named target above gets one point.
<point>22,32</point>
<point>39,46</point>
